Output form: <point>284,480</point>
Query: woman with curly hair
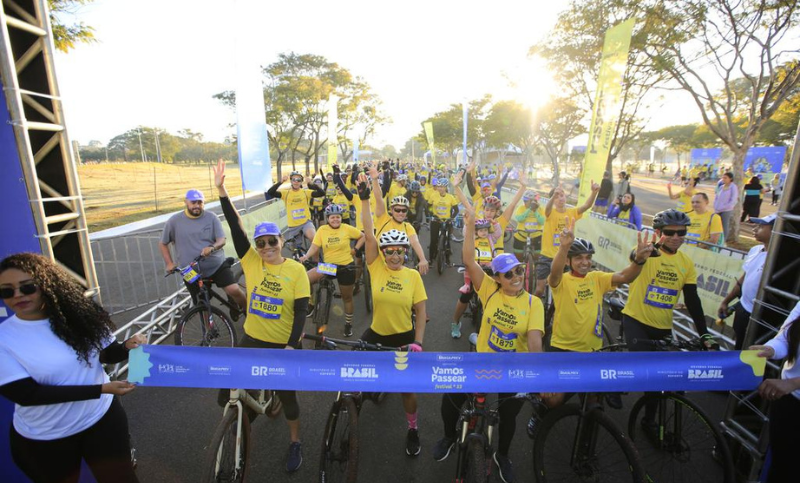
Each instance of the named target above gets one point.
<point>51,351</point>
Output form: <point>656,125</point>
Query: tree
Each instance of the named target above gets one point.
<point>679,138</point>
<point>718,50</point>
<point>509,122</point>
<point>65,36</point>
<point>556,123</point>
<point>360,113</point>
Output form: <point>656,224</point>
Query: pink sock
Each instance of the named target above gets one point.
<point>412,420</point>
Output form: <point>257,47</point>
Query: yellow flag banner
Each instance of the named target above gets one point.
<point>716,272</point>
<point>429,134</point>
<point>605,112</point>
<point>333,144</point>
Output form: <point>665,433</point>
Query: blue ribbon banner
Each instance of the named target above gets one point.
<point>306,370</point>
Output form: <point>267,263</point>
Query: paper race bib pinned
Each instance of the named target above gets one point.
<point>499,341</point>
<point>660,297</point>
<point>327,269</point>
<point>266,307</point>
<point>556,239</point>
<point>190,275</point>
<point>298,214</point>
<point>531,226</point>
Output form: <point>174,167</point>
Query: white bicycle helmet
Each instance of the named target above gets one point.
<point>393,238</point>
<point>399,200</point>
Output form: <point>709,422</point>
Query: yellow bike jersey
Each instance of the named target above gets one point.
<point>507,319</point>
<point>330,192</point>
<point>394,292</point>
<point>655,291</point>
<point>297,201</point>
<point>440,205</point>
<point>684,202</point>
<point>335,243</point>
<point>395,190</point>
<point>703,226</point>
<point>344,204</point>
<point>357,204</point>
<point>413,203</point>
<point>694,173</point>
<point>272,290</point>
<point>578,319</point>
<point>386,223</point>
<point>531,225</point>
<point>316,203</point>
<point>553,226</point>
<point>484,252</point>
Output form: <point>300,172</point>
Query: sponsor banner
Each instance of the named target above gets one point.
<point>333,144</point>
<point>438,372</point>
<point>613,243</point>
<point>704,156</point>
<point>765,161</point>
<point>605,112</point>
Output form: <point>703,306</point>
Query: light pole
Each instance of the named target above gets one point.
<point>141,148</point>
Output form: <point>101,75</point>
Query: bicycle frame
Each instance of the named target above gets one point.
<point>239,399</point>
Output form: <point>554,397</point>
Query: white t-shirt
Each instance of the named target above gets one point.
<point>31,349</point>
<point>753,266</point>
<point>781,345</point>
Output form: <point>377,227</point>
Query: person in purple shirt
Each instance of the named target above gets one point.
<point>725,200</point>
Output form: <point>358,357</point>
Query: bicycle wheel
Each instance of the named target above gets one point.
<point>225,462</point>
<point>440,253</point>
<point>600,452</point>
<point>339,458</point>
<point>204,328</point>
<point>687,446</point>
<point>476,462</point>
<point>323,307</point>
<point>530,275</point>
<point>477,312</point>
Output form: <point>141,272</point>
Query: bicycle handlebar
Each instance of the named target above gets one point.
<point>692,344</point>
<point>332,344</point>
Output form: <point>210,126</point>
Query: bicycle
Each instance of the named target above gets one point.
<point>581,443</point>
<point>339,453</point>
<point>457,234</point>
<point>684,444</point>
<point>324,294</point>
<point>529,256</point>
<point>230,446</point>
<point>298,246</point>
<point>443,250</point>
<point>365,281</point>
<point>205,325</point>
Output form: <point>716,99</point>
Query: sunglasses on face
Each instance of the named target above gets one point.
<point>400,210</point>
<point>297,180</point>
<point>394,251</point>
<point>262,242</point>
<point>517,271</point>
<point>27,289</point>
<point>667,232</point>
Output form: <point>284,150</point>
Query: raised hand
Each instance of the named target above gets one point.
<point>219,173</point>
<point>595,187</point>
<point>568,233</point>
<point>457,178</point>
<point>644,247</point>
<point>285,178</point>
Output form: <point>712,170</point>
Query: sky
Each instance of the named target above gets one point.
<point>158,63</point>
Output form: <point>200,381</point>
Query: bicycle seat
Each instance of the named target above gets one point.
<point>615,307</point>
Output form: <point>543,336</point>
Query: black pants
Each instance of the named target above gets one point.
<point>105,446</point>
<point>637,330</point>
<point>508,410</point>
<point>436,226</point>
<point>741,318</point>
<point>291,409</point>
<point>784,426</point>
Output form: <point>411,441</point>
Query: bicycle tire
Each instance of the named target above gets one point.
<point>613,456</point>
<point>477,312</point>
<point>440,252</point>
<point>223,447</point>
<point>476,462</point>
<point>192,329</point>
<point>323,308</point>
<point>530,276</point>
<point>706,457</point>
<point>339,456</point>
<point>607,340</point>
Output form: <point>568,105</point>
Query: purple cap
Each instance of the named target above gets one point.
<point>195,195</point>
<point>486,185</point>
<point>767,220</point>
<point>504,262</point>
<point>266,228</point>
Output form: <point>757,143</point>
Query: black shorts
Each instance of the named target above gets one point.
<point>346,274</point>
<point>519,245</point>
<point>224,276</point>
<point>392,340</point>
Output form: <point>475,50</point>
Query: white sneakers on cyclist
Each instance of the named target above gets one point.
<point>455,330</point>
<point>473,339</point>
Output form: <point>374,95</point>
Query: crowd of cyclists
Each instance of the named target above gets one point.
<point>369,216</point>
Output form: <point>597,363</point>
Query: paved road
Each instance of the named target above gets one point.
<point>171,428</point>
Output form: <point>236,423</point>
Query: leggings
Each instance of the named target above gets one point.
<point>105,446</point>
<point>508,410</point>
<point>637,330</point>
<point>291,409</point>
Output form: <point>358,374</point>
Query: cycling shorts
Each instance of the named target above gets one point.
<point>392,340</point>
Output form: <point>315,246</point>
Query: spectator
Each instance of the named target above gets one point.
<point>684,197</point>
<point>627,211</point>
<point>624,185</point>
<point>751,207</point>
<point>725,200</point>
<point>777,188</point>
<point>706,225</point>
<point>606,188</point>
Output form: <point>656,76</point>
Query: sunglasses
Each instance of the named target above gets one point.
<point>400,210</point>
<point>27,289</point>
<point>517,271</point>
<point>271,240</point>
<point>297,180</point>
<point>394,251</point>
<point>668,232</point>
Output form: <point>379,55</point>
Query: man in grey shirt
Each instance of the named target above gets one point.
<point>198,232</point>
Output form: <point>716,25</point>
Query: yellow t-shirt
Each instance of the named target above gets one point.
<point>344,204</point>
<point>624,216</point>
<point>357,204</point>
<point>395,190</point>
<point>272,290</point>
<point>655,291</point>
<point>484,252</point>
<point>684,202</point>
<point>316,203</point>
<point>440,205</point>
<point>578,319</point>
<point>330,192</point>
<point>530,226</point>
<point>477,204</point>
<point>297,212</point>
<point>394,292</point>
<point>501,225</point>
<point>553,226</point>
<point>507,319</point>
<point>386,223</point>
<point>335,243</point>
<point>694,173</point>
<point>703,226</point>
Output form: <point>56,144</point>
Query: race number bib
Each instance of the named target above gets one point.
<point>299,214</point>
<point>442,209</point>
<point>660,297</point>
<point>499,341</point>
<point>327,269</point>
<point>692,238</point>
<point>190,275</point>
<point>484,254</point>
<point>266,307</point>
<point>556,239</point>
<point>531,226</point>
<point>598,324</point>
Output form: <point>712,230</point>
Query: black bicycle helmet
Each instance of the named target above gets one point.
<point>579,247</point>
<point>670,217</point>
<point>415,186</point>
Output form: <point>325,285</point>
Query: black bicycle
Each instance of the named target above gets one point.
<point>205,325</point>
<point>339,453</point>
<point>324,294</point>
<point>365,281</point>
<point>443,249</point>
